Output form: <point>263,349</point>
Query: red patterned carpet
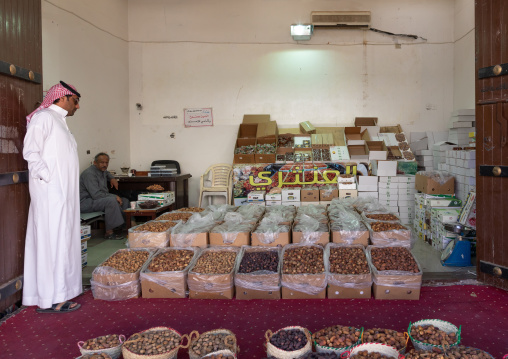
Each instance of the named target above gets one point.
<point>482,311</point>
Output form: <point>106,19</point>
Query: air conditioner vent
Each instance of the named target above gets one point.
<point>347,19</point>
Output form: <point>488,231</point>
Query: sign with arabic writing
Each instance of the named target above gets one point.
<point>248,178</point>
<point>197,117</point>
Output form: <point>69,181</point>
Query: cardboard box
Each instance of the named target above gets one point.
<point>395,292</point>
<point>84,259</point>
<point>316,140</point>
<point>273,197</point>
<point>267,130</point>
<point>143,239</point>
<point>384,168</point>
<point>273,203</point>
<point>309,195</point>
<point>365,121</point>
<point>355,136</point>
<point>240,201</point>
<point>247,130</point>
<point>327,139</point>
<point>86,231</point>
<point>224,294</point>
<point>339,153</point>
<point>391,129</point>
<point>256,196</point>
<point>84,245</point>
<point>348,193</point>
<point>368,194</point>
<point>307,127</point>
<point>292,203</point>
<point>429,186</point>
<point>291,194</point>
<point>195,239</point>
<point>241,239</point>
<point>323,239</point>
<point>377,150</point>
<point>358,152</point>
<point>244,158</point>
<point>367,183</point>
<point>266,157</point>
<point>248,119</point>
<point>361,237</point>
<point>338,292</point>
<point>326,195</point>
<point>246,293</point>
<point>282,239</point>
<point>288,293</point>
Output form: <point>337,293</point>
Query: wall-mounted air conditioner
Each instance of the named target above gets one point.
<point>342,19</point>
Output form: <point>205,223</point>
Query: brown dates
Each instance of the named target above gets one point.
<point>394,258</point>
<point>347,260</point>
<point>127,261</point>
<point>173,260</point>
<point>155,226</point>
<point>301,260</point>
<point>191,209</point>
<point>256,261</point>
<point>365,354</point>
<point>96,356</point>
<point>382,217</point>
<point>432,335</point>
<point>152,342</point>
<point>337,336</point>
<point>215,262</point>
<point>211,342</point>
<point>175,216</point>
<point>103,342</point>
<point>383,226</point>
<point>459,352</point>
<point>385,336</point>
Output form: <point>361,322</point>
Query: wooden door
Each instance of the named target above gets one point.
<point>491,141</point>
<point>20,90</point>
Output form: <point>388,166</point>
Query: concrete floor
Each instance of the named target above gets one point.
<point>429,258</point>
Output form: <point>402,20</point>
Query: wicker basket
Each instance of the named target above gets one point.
<point>275,352</point>
<point>440,324</point>
<point>323,349</point>
<point>401,350</point>
<point>223,352</point>
<point>376,348</point>
<point>114,352</point>
<point>127,354</point>
<point>233,347</point>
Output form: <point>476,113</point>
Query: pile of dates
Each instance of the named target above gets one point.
<point>459,352</point>
<point>155,226</point>
<point>289,340</point>
<point>127,261</point>
<point>385,336</point>
<point>220,356</point>
<point>153,342</point>
<point>313,355</point>
<point>95,356</point>
<point>103,342</point>
<point>191,209</point>
<point>209,343</point>
<point>175,216</point>
<point>384,226</point>
<point>337,336</point>
<point>431,335</point>
<point>215,262</point>
<point>348,260</point>
<point>302,260</point>
<point>256,261</point>
<point>365,354</point>
<point>382,217</point>
<point>393,258</point>
<point>170,261</point>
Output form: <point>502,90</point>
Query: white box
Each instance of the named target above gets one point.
<point>388,197</point>
<point>392,185</point>
<point>309,203</point>
<point>423,152</point>
<point>86,230</point>
<point>84,259</point>
<point>459,162</point>
<point>368,194</point>
<point>273,197</point>
<point>405,203</point>
<point>470,163</point>
<point>291,203</point>
<point>240,201</point>
<point>389,203</point>
<point>254,196</point>
<point>291,194</point>
<point>83,246</point>
<point>367,180</point>
<point>393,209</point>
<point>388,191</point>
<point>385,168</point>
<point>273,203</point>
<point>368,188</point>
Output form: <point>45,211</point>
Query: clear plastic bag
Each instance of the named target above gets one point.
<point>251,211</point>
<point>369,204</point>
<point>376,216</point>
<point>220,208</point>
<point>312,210</point>
<point>306,283</point>
<point>263,280</point>
<point>174,281</point>
<point>343,214</point>
<point>212,282</point>
<point>403,236</point>
<point>440,177</point>
<point>269,231</point>
<point>278,217</point>
<point>112,284</point>
<point>270,209</point>
<point>349,232</point>
<point>357,281</point>
<point>140,237</point>
<point>312,231</point>
<point>394,278</point>
<point>230,230</point>
<point>187,234</point>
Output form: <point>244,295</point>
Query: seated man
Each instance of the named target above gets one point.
<point>94,195</point>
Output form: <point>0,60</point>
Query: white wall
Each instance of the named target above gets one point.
<point>464,55</point>
<point>85,44</point>
<point>237,56</point>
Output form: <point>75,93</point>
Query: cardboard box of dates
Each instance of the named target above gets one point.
<point>257,275</point>
<point>395,272</point>
<point>435,182</point>
<point>165,275</point>
<point>231,233</point>
<point>194,232</point>
<point>271,234</point>
<point>151,234</point>
<point>303,272</point>
<point>211,276</point>
<point>389,234</point>
<point>117,278</point>
<point>310,230</point>
<point>349,274</point>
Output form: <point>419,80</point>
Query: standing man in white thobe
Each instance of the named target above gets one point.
<point>52,274</point>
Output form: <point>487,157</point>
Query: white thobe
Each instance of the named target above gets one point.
<point>53,238</point>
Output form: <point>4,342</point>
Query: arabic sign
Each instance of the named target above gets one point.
<point>197,117</point>
<point>264,177</point>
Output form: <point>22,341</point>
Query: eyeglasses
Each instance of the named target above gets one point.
<point>76,100</point>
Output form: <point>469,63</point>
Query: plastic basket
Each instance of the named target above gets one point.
<point>440,324</point>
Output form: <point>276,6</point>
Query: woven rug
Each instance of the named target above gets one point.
<point>482,312</point>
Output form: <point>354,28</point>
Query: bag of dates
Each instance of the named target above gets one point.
<point>434,335</point>
<point>213,342</point>
<point>156,343</point>
<point>110,345</point>
<point>288,343</point>
<point>337,339</point>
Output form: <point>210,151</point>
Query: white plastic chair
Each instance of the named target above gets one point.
<point>220,177</point>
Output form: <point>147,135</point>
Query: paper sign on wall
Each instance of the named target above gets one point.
<point>197,117</point>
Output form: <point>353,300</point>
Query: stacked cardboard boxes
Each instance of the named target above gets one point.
<point>86,234</point>
<point>461,124</point>
<point>462,165</point>
<point>438,218</point>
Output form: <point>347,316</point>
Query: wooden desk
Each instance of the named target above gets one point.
<point>152,213</point>
<point>178,184</point>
